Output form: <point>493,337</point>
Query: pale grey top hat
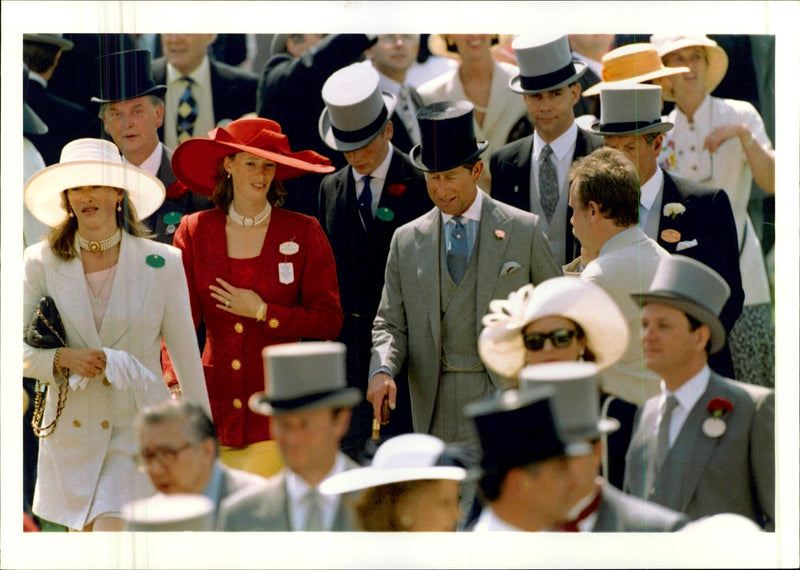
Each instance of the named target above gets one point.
<point>577,397</point>
<point>692,287</point>
<point>53,39</point>
<point>356,111</point>
<point>174,512</point>
<point>630,109</point>
<point>302,376</point>
<point>544,66</point>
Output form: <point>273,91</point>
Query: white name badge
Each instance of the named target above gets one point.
<point>286,273</point>
<point>289,248</point>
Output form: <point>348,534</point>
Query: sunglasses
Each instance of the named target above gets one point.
<point>561,338</point>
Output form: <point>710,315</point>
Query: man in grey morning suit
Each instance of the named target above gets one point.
<point>442,271</point>
<point>706,444</point>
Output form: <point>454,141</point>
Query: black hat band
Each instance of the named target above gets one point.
<point>293,403</point>
<point>540,82</point>
<point>363,132</point>
<point>626,127</point>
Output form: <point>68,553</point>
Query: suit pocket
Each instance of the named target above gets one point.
<point>509,267</point>
<point>682,245</point>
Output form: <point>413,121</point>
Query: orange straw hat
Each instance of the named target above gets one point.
<point>634,63</point>
<point>196,162</point>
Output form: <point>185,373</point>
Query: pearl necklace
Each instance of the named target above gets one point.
<point>250,222</point>
<point>102,245</point>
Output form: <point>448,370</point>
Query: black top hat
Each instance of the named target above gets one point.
<point>126,75</point>
<point>517,429</point>
<point>447,132</point>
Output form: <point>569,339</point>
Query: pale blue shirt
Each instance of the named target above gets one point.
<point>687,395</point>
<point>471,220</point>
<point>648,193</point>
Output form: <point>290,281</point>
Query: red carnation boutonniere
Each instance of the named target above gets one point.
<point>176,190</point>
<point>715,425</point>
<point>499,234</point>
<point>396,189</point>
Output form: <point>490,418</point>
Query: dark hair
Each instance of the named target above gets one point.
<point>650,137</point>
<point>588,355</point>
<point>470,164</point>
<point>608,178</point>
<point>39,56</point>
<point>223,191</point>
<point>451,45</point>
<point>695,324</point>
<point>198,427</point>
<point>62,236</point>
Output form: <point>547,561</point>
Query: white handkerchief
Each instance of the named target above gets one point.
<point>509,267</point>
<point>685,245</point>
<point>78,382</point>
<point>124,370</point>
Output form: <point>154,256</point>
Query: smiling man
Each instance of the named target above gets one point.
<point>442,271</point>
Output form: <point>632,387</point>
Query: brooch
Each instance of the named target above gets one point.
<point>499,234</point>
<point>674,209</point>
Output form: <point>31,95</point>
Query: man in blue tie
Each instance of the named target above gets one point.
<point>442,271</point>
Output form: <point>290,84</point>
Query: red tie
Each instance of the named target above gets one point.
<point>572,526</point>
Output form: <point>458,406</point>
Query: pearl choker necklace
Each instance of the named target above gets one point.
<point>250,222</point>
<point>97,246</point>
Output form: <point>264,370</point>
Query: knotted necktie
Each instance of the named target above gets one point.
<point>405,110</point>
<point>662,444</point>
<point>457,256</point>
<point>572,526</point>
<point>187,112</point>
<point>314,516</point>
<point>548,183</point>
<point>365,204</point>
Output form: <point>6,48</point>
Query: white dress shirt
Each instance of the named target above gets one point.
<point>489,522</point>
<point>201,91</point>
<point>152,163</point>
<point>687,396</point>
<point>297,489</point>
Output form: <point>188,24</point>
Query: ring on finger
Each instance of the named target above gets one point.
<point>228,303</point>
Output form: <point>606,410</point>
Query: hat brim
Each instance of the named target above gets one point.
<point>663,72</point>
<point>157,90</point>
<point>262,404</point>
<point>690,307</point>
<point>416,158</point>
<point>326,129</point>
<point>62,43</point>
<point>580,68</point>
<point>31,122</point>
<point>609,130</point>
<point>145,191</point>
<point>196,163</point>
<point>366,477</point>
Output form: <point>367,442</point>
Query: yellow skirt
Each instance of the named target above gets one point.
<point>261,458</point>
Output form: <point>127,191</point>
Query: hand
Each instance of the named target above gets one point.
<point>381,385</point>
<point>721,134</point>
<point>242,302</point>
<point>86,362</point>
<point>587,256</point>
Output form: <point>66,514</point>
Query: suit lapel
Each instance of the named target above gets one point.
<point>426,245</point>
<point>523,174</point>
<point>670,193</point>
<point>128,292</point>
<point>72,292</point>
<point>490,252</point>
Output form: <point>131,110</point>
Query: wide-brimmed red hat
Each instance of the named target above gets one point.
<point>196,161</point>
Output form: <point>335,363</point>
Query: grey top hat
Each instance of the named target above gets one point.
<point>302,376</point>
<point>630,109</point>
<point>355,109</point>
<point>544,66</point>
<point>174,512</point>
<point>692,287</point>
<point>31,122</point>
<point>577,397</point>
<point>52,39</point>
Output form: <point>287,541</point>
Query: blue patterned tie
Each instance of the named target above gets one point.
<point>548,183</point>
<point>457,256</point>
<point>187,112</point>
<point>365,204</point>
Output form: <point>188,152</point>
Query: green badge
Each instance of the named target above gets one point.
<point>384,214</point>
<point>155,261</point>
<point>172,218</point>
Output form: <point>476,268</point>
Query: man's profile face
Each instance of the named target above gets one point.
<point>549,490</point>
<point>133,126</point>
<point>667,339</point>
<point>642,155</point>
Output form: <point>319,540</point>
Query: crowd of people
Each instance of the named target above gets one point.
<point>323,298</point>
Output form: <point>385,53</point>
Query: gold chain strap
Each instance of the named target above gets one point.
<point>49,326</point>
<point>63,392</point>
<point>451,368</point>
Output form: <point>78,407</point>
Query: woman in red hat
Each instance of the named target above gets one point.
<point>258,274</point>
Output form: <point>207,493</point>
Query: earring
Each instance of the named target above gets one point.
<point>406,522</point>
<point>582,352</point>
<point>119,206</point>
<point>229,175</point>
<point>71,213</point>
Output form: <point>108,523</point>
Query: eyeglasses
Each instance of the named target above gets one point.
<point>561,338</point>
<point>164,454</point>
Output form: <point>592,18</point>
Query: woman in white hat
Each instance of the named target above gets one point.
<point>412,485</point>
<point>119,295</point>
<point>723,143</point>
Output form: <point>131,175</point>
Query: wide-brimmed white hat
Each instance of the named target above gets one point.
<point>717,58</point>
<point>407,457</point>
<point>174,512</point>
<point>501,345</point>
<point>90,162</point>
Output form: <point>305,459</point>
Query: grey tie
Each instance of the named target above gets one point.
<point>548,183</point>
<point>457,255</point>
<point>662,444</point>
<point>314,517</point>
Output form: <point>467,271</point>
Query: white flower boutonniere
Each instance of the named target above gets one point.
<point>674,209</point>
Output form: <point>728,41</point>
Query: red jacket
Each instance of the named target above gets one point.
<point>307,307</point>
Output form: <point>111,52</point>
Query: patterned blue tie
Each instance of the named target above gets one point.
<point>365,204</point>
<point>457,256</point>
<point>548,183</point>
<point>187,112</point>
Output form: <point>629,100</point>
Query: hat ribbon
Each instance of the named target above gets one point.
<point>627,126</point>
<point>292,403</point>
<point>363,132</point>
<point>536,82</point>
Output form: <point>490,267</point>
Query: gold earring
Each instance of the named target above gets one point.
<point>229,175</point>
<point>71,213</point>
<point>119,206</point>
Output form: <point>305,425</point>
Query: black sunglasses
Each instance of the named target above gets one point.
<point>561,338</point>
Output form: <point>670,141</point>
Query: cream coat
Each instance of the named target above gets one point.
<point>147,304</point>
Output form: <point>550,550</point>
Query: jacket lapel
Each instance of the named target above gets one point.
<point>426,244</point>
<point>522,165</point>
<point>670,193</point>
<point>72,293</point>
<point>490,253</point>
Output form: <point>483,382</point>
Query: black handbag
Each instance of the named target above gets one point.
<point>46,330</point>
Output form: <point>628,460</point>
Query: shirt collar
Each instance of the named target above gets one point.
<point>201,74</point>
<point>472,213</point>
<point>152,163</point>
<point>561,146</point>
<point>380,172</point>
<point>297,487</point>
<point>489,521</point>
<point>37,78</point>
<point>691,390</point>
<point>650,189</point>
<point>702,116</point>
<point>214,488</point>
<point>388,84</point>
